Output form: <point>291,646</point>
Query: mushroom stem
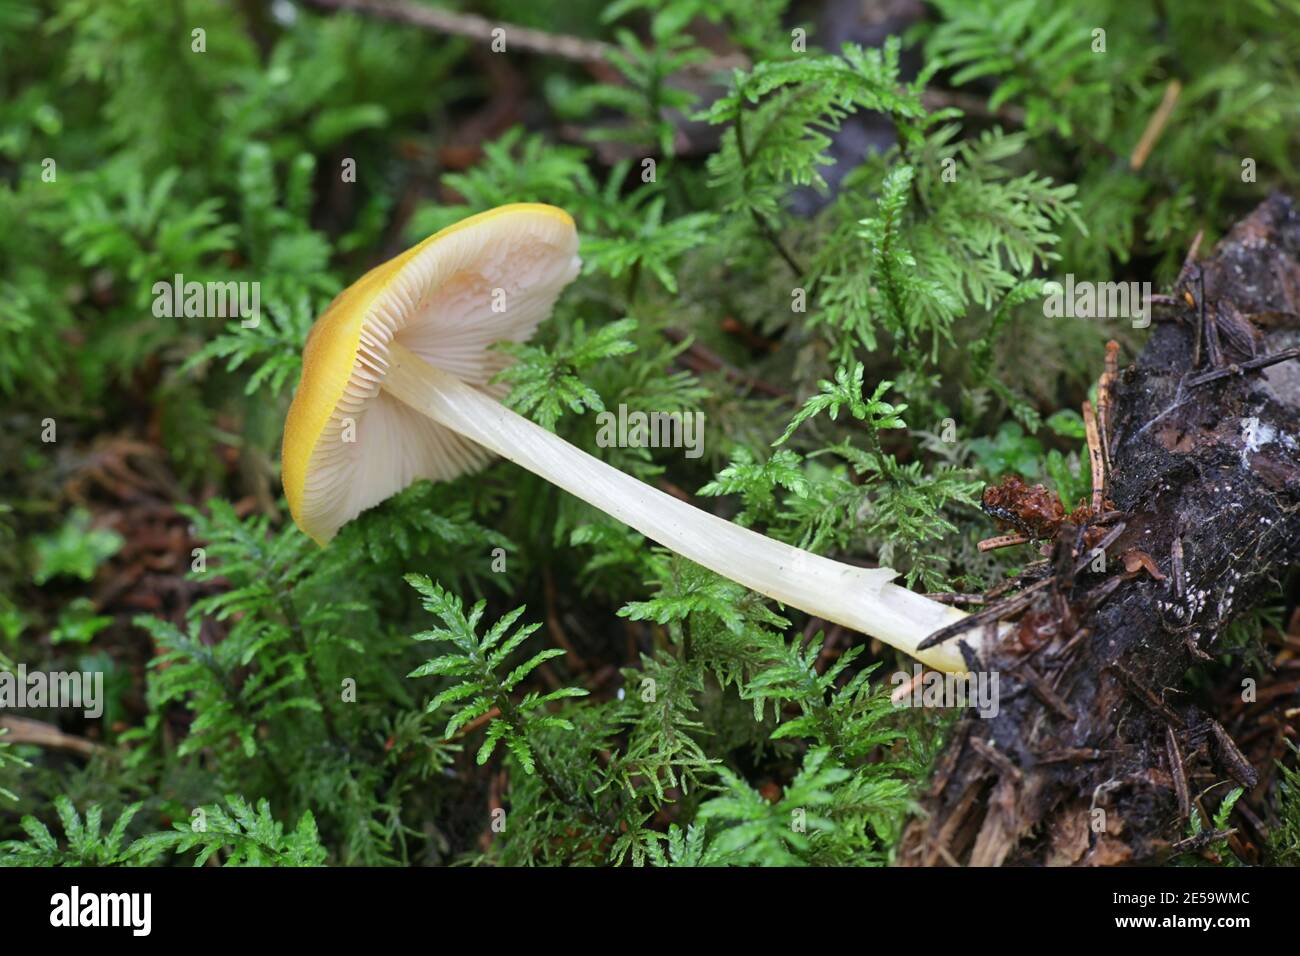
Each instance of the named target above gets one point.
<point>857,598</point>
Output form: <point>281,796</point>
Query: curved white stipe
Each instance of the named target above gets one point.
<point>857,598</point>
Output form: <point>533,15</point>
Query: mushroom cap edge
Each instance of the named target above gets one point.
<point>330,353</point>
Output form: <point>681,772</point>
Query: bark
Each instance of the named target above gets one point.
<point>1098,752</point>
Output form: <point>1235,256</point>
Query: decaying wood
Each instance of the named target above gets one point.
<point>1098,753</point>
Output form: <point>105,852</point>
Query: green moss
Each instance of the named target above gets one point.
<point>861,328</point>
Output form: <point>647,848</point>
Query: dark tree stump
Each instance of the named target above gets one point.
<point>1089,759</point>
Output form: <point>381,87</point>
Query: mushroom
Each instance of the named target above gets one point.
<point>397,385</point>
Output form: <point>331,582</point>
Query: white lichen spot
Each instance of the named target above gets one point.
<point>1254,436</point>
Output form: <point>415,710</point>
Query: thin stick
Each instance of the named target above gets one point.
<point>1111,536</point>
<point>1155,125</point>
<point>24,730</point>
<point>971,105</point>
<point>1176,579</point>
<point>477,722</point>
<point>477,28</point>
<point>1043,691</point>
<point>1213,348</point>
<point>1070,755</point>
<point>949,598</point>
<point>1105,401</point>
<point>1203,839</point>
<point>482,30</point>
<point>1178,772</point>
<point>708,360</point>
<point>1094,457</point>
<point>1238,766</point>
<point>905,691</point>
<point>1190,258</point>
<point>764,226</point>
<point>1145,695</point>
<point>990,614</point>
<point>1032,574</point>
<point>1239,368</point>
<point>996,757</point>
<point>1002,541</point>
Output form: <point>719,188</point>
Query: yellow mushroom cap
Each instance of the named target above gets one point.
<point>490,278</point>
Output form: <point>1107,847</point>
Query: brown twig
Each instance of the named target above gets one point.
<point>972,105</point>
<point>1142,693</point>
<point>1236,761</point>
<point>701,358</point>
<point>1156,125</point>
<point>482,30</point>
<point>1240,368</point>
<point>1177,577</point>
<point>1095,457</point>
<point>23,730</point>
<point>763,225</point>
<point>553,624</point>
<point>1179,773</point>
<point>1002,541</point>
<point>1190,259</point>
<point>996,757</point>
<point>1205,327</point>
<point>1203,839</point>
<point>1110,538</point>
<point>477,722</point>
<point>946,598</point>
<point>1043,691</point>
<point>1070,755</point>
<point>1105,400</point>
<point>473,27</point>
<point>989,614</point>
